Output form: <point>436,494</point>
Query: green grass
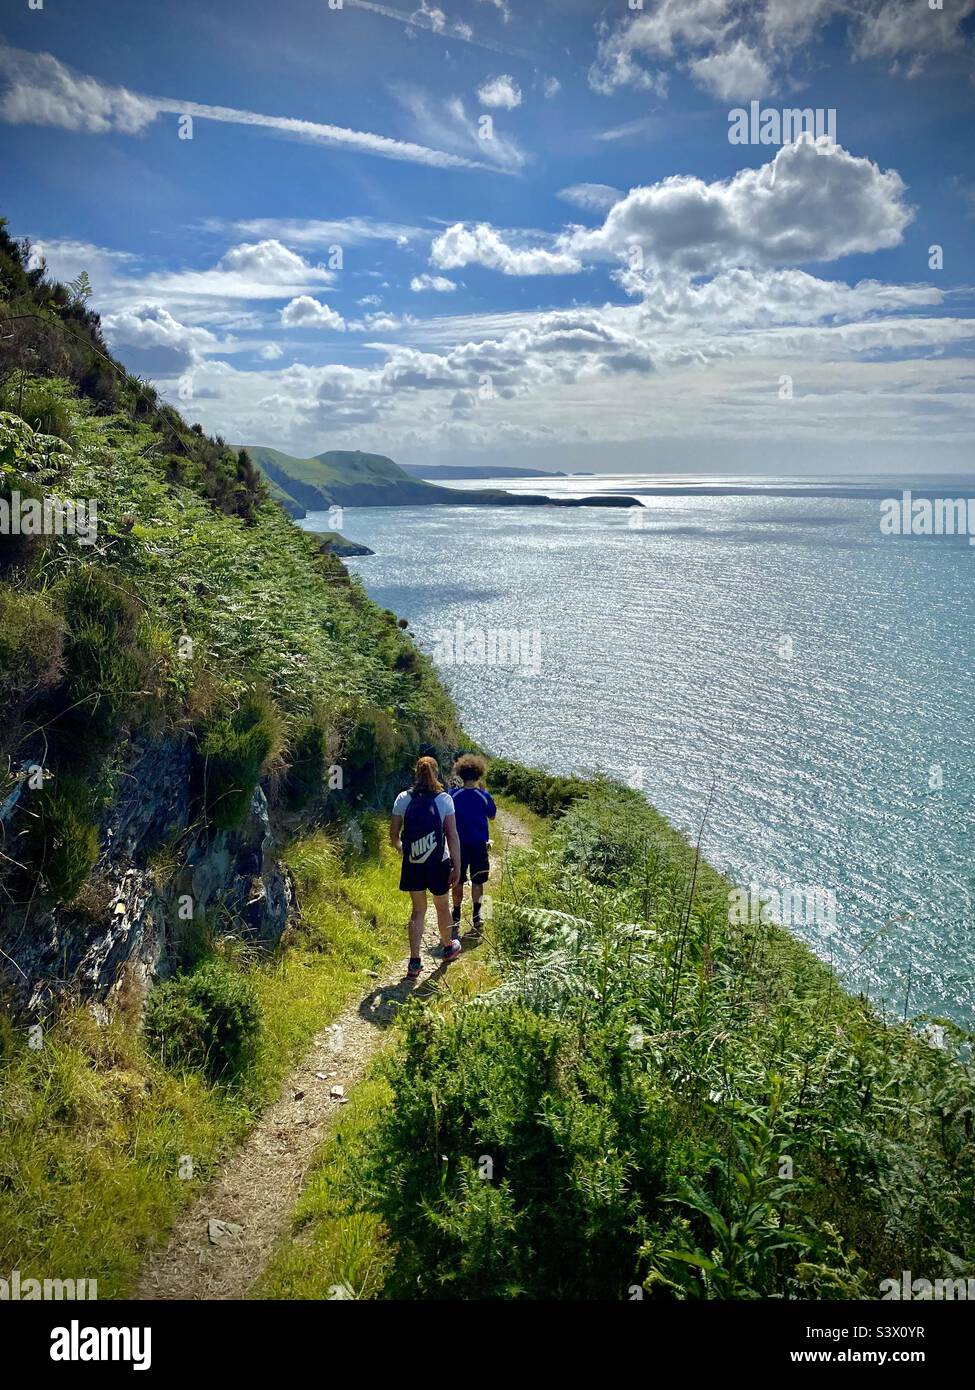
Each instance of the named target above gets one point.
<point>93,1129</point>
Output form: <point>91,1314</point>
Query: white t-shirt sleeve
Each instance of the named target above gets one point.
<point>401,803</point>
<point>445,805</point>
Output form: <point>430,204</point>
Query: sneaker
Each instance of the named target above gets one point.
<point>452,951</point>
<point>414,967</point>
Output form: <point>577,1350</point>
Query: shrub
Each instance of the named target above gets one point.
<point>234,751</point>
<point>210,1020</point>
<point>31,643</point>
<point>542,792</point>
<point>309,753</point>
<point>105,665</point>
<point>556,1151</point>
<point>47,404</point>
<point>373,750</point>
<point>61,844</point>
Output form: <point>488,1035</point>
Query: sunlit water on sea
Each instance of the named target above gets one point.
<point>778,650</point>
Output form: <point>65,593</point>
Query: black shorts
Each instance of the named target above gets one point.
<point>474,857</point>
<point>432,877</point>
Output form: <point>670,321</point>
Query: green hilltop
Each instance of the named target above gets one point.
<point>345,478</point>
<point>351,478</point>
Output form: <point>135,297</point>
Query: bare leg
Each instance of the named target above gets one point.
<point>458,894</point>
<point>417,918</point>
<point>443,920</point>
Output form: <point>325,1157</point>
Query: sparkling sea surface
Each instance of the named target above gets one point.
<point>776,648</point>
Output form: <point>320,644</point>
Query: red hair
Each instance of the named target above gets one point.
<point>427,775</point>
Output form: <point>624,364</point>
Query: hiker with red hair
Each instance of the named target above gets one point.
<point>423,827</point>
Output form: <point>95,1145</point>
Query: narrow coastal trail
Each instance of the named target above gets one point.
<point>220,1245</point>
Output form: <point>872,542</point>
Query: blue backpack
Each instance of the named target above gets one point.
<point>423,836</point>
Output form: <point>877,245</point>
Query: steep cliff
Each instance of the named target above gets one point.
<point>186,679</point>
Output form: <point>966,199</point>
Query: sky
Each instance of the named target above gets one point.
<point>522,232</point>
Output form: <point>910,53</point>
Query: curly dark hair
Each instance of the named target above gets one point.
<point>469,767</point>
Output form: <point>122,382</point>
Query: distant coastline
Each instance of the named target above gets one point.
<point>351,478</point>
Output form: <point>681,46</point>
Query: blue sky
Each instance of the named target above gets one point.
<point>516,231</point>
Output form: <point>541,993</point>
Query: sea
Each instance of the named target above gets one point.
<point>778,669</point>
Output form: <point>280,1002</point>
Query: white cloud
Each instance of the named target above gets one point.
<point>150,325</point>
<point>153,342</point>
<point>787,25</point>
<point>380,323</point>
<point>268,263</point>
<point>251,270</point>
<point>734,74</point>
<point>314,232</point>
<point>305,312</point>
<point>446,121</point>
<point>42,91</point>
<point>215,296</point>
<point>738,51</point>
<point>813,202</point>
<point>551,88</point>
<point>655,34</point>
<point>439,283</point>
<point>434,17</point>
<point>898,30</point>
<point>594,197</point>
<point>737,300</point>
<point>432,20</point>
<point>480,244</point>
<point>271,352</point>
<point>502,91</point>
<point>501,6</point>
<point>570,376</point>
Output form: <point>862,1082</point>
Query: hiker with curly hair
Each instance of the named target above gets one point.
<point>423,827</point>
<point>474,807</point>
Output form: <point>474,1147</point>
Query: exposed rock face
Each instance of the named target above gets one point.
<point>126,928</point>
<point>339,545</point>
<point>152,803</point>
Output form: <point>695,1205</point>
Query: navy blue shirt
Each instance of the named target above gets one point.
<point>472,808</point>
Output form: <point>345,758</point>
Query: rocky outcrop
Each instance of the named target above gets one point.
<point>158,874</point>
<point>336,544</point>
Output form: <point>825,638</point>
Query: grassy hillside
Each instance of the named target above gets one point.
<point>201,617</point>
<point>344,478</point>
<point>348,478</point>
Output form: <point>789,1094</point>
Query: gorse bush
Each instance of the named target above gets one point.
<point>556,1147</point>
<point>543,792</point>
<point>210,1020</point>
